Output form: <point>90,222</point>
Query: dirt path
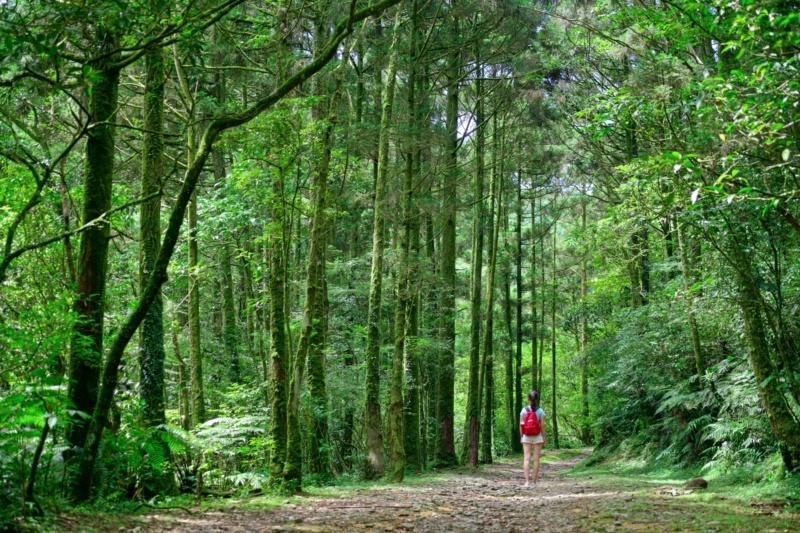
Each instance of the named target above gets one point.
<point>491,499</point>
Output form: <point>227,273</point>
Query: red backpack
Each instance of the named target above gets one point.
<point>530,426</point>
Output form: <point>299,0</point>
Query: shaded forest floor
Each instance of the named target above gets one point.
<point>488,499</point>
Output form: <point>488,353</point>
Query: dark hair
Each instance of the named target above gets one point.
<point>533,397</point>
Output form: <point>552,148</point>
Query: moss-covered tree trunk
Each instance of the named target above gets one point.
<point>82,482</point>
<point>311,347</point>
<point>86,348</point>
<point>319,444</point>
<point>411,395</point>
<point>278,356</point>
<point>151,352</point>
<point>781,419</point>
<point>197,392</point>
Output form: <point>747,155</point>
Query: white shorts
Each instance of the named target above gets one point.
<point>533,439</point>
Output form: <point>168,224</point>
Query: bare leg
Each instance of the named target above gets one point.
<point>537,451</point>
<point>526,461</point>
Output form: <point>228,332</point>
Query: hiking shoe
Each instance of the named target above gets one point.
<point>526,485</point>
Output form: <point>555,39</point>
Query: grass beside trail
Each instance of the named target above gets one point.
<point>737,499</point>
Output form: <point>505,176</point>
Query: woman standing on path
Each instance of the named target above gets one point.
<point>531,427</point>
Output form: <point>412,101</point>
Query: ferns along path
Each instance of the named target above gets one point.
<point>297,265</point>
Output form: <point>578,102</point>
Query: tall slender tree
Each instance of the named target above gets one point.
<point>151,353</point>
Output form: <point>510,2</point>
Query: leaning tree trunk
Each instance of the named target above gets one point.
<point>86,348</point>
<point>83,479</point>
<point>151,353</point>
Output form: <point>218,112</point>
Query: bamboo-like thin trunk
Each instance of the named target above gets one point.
<point>516,404</point>
<point>553,337</point>
<point>584,342</point>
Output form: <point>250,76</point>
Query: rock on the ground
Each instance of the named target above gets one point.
<point>696,483</point>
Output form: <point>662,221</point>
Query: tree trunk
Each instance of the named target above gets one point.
<point>534,318</point>
<point>278,344</point>
<point>515,405</point>
<point>411,409</point>
<point>474,393</point>
<point>487,366</point>
<point>83,480</point>
<point>86,347</point>
<point>375,464</point>
<point>781,419</point>
<point>151,353</point>
<point>445,445</point>
<point>584,360</point>
<point>688,281</point>
<point>553,335</point>
<point>404,414</point>
<point>195,353</point>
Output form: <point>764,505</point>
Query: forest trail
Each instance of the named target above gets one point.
<point>489,499</point>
